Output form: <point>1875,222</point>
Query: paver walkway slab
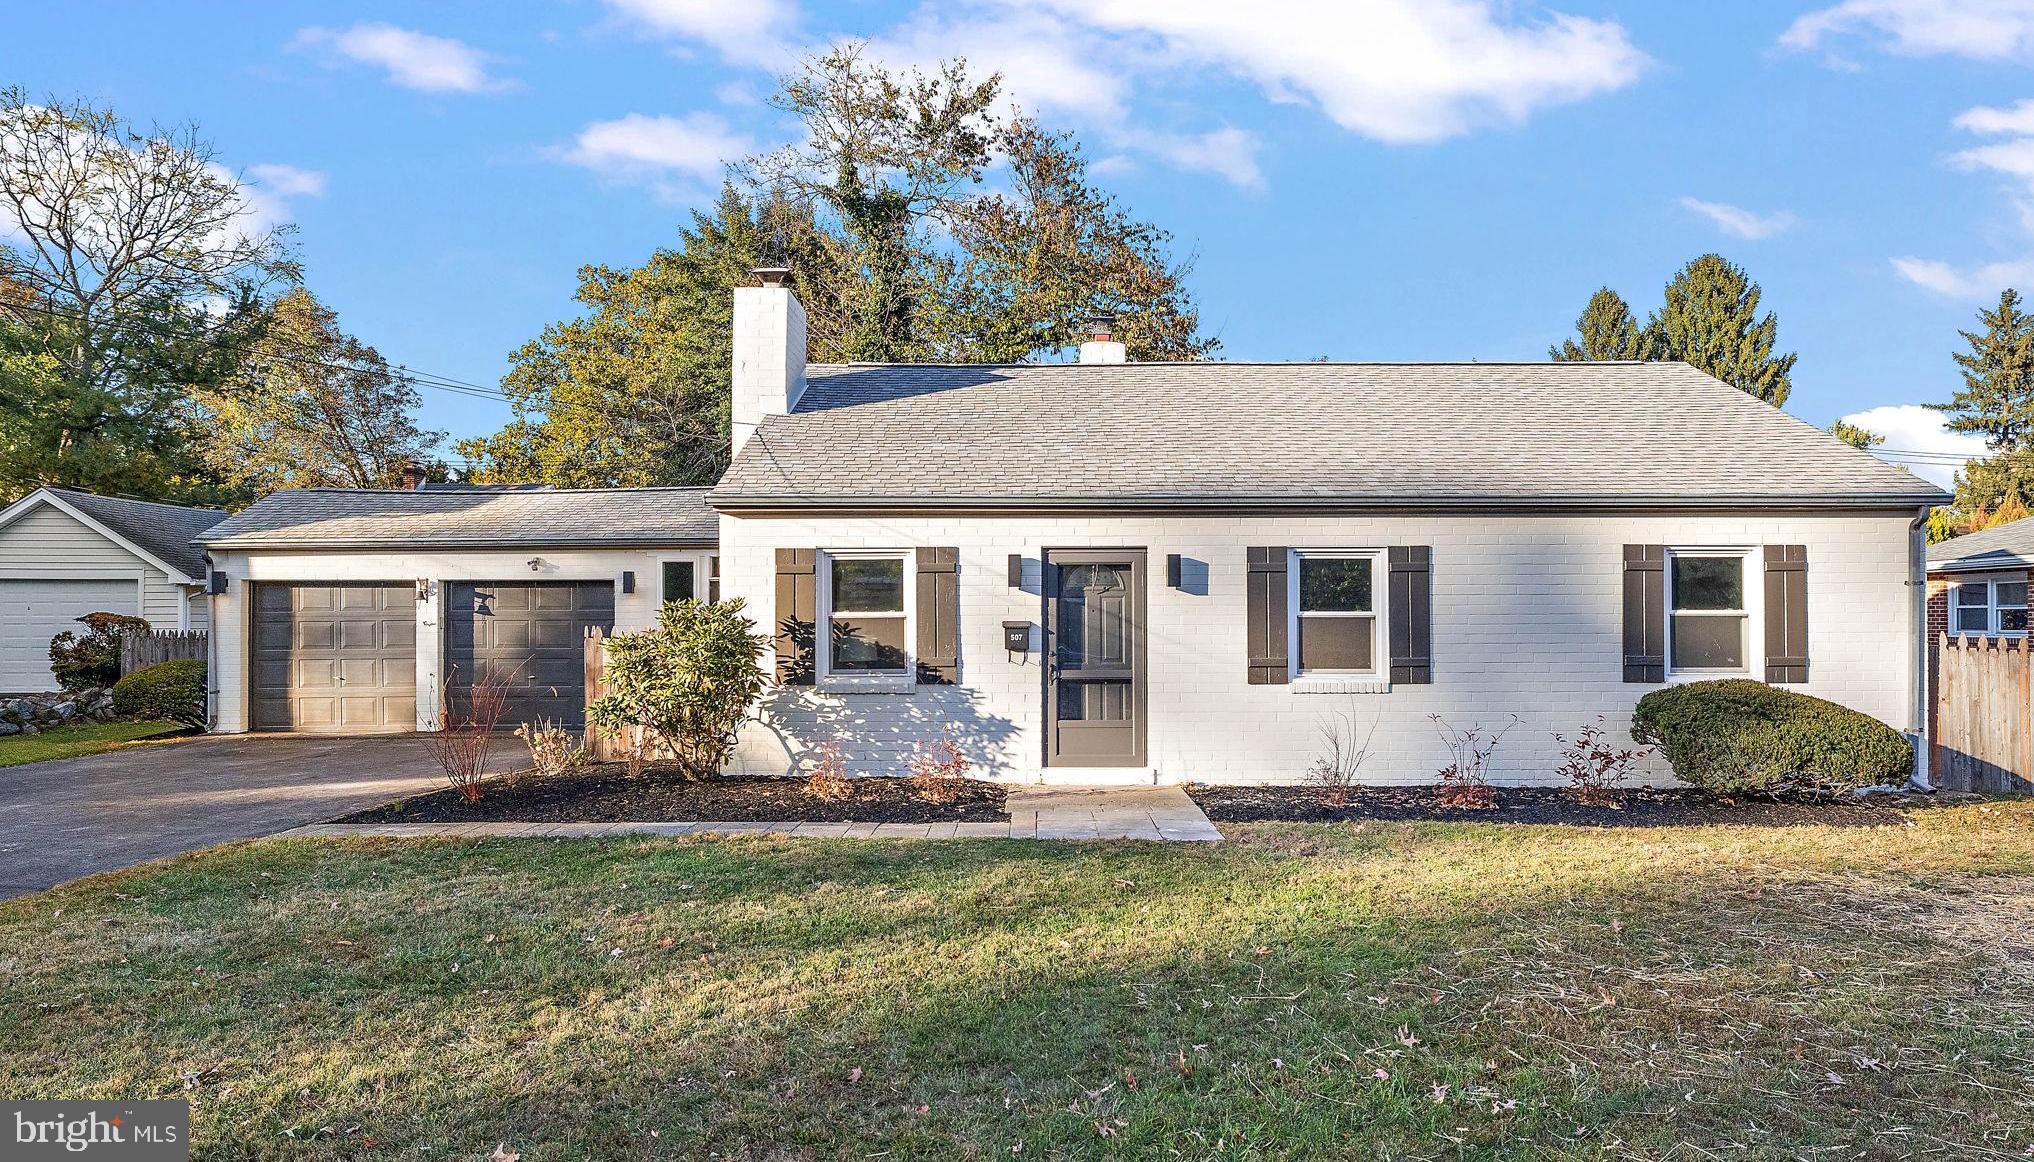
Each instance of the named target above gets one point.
<point>1158,813</point>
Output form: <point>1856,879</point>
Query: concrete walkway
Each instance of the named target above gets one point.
<point>1160,813</point>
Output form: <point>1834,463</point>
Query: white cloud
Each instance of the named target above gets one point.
<point>267,191</point>
<point>414,60</point>
<point>1987,119</point>
<point>673,155</point>
<point>1231,154</point>
<point>1739,222</point>
<point>1911,428</point>
<point>1397,71</point>
<point>1974,282</point>
<point>287,181</point>
<point>1979,29</point>
<point>749,32</point>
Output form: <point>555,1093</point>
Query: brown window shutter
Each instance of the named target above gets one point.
<point>1412,614</point>
<point>938,616</point>
<point>1786,613</point>
<point>1264,595</point>
<point>1645,613</point>
<point>797,615</point>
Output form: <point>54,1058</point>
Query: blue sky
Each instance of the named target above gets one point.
<point>1396,179</point>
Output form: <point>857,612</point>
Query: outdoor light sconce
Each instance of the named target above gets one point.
<point>423,589</point>
<point>628,581</point>
<point>1172,570</point>
<point>218,582</point>
<point>536,564</point>
<point>1017,637</point>
<point>1016,570</point>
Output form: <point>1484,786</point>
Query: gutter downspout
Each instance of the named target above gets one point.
<point>1917,574</point>
<point>211,650</point>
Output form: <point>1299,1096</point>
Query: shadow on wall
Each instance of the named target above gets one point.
<point>877,733</point>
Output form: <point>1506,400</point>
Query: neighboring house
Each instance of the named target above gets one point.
<point>1977,587</point>
<point>1112,570</point>
<point>353,611</point>
<point>64,554</point>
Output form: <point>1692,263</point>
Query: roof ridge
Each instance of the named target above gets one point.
<point>135,500</point>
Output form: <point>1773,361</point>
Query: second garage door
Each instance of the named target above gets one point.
<point>339,659</point>
<point>530,634</point>
<point>32,612</point>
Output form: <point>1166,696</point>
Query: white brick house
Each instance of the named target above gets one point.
<point>1171,572</point>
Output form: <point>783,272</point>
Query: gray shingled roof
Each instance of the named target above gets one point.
<point>1467,434</point>
<point>164,531</point>
<point>2009,546</point>
<point>476,518</point>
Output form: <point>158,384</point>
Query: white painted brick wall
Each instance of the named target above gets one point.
<point>1527,620</point>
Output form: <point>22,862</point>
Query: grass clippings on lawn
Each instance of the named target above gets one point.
<point>1347,991</point>
<point>65,742</point>
<point>1634,807</point>
<point>606,793</point>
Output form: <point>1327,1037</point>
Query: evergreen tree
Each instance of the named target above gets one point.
<point>1607,330</point>
<point>1997,398</point>
<point>1855,436</point>
<point>1710,320</point>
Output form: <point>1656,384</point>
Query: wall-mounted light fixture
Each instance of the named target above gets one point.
<point>628,581</point>
<point>1172,570</point>
<point>218,582</point>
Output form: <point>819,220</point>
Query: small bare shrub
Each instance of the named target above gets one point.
<point>1336,769</point>
<point>1465,782</point>
<point>1594,769</point>
<point>829,782</point>
<point>554,750</point>
<point>939,771</point>
<point>464,740</point>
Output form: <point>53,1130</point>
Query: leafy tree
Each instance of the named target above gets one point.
<point>311,405</point>
<point>134,272</point>
<point>1997,397</point>
<point>1710,320</point>
<point>1984,486</point>
<point>882,152</point>
<point>1606,331</point>
<point>636,391</point>
<point>1855,436</point>
<point>1040,262</point>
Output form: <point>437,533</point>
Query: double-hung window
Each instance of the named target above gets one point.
<point>1710,622</point>
<point>865,620</point>
<point>1989,608</point>
<point>1336,612</point>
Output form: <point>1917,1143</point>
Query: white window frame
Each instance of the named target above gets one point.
<point>1993,610</point>
<point>1752,562</point>
<point>705,571</point>
<point>863,680</point>
<point>1380,640</point>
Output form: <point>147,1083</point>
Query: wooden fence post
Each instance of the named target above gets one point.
<point>597,743</point>
<point>146,649</point>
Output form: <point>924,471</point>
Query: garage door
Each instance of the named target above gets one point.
<point>337,659</point>
<point>32,612</point>
<point>530,634</point>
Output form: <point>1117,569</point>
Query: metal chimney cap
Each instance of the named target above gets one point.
<point>773,275</point>
<point>1102,325</point>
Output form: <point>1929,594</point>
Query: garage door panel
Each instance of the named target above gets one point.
<point>531,635</point>
<point>32,611</point>
<point>335,658</point>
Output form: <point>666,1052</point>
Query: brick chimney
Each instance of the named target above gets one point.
<point>1102,346</point>
<point>769,351</point>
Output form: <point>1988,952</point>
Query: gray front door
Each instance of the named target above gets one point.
<point>530,635</point>
<point>336,659</point>
<point>1094,673</point>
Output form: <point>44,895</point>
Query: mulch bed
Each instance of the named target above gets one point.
<point>605,793</point>
<point>1638,807</point>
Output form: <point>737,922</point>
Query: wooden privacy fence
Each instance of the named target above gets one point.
<point>146,649</point>
<point>1984,739</point>
<point>603,745</point>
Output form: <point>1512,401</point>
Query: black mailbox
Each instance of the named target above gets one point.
<point>1017,636</point>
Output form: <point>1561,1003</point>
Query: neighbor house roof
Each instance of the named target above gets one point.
<point>2009,546</point>
<point>163,532</point>
<point>1471,435</point>
<point>358,518</point>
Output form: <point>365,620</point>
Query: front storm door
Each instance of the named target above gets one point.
<point>1094,673</point>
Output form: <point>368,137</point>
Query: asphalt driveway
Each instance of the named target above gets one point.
<point>71,817</point>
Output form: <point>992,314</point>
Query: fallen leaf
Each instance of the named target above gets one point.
<point>503,1154</point>
<point>854,1075</point>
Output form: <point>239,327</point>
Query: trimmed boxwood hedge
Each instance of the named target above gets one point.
<point>167,690</point>
<point>1740,736</point>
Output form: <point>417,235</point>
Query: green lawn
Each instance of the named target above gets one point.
<point>71,741</point>
<point>1373,991</point>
